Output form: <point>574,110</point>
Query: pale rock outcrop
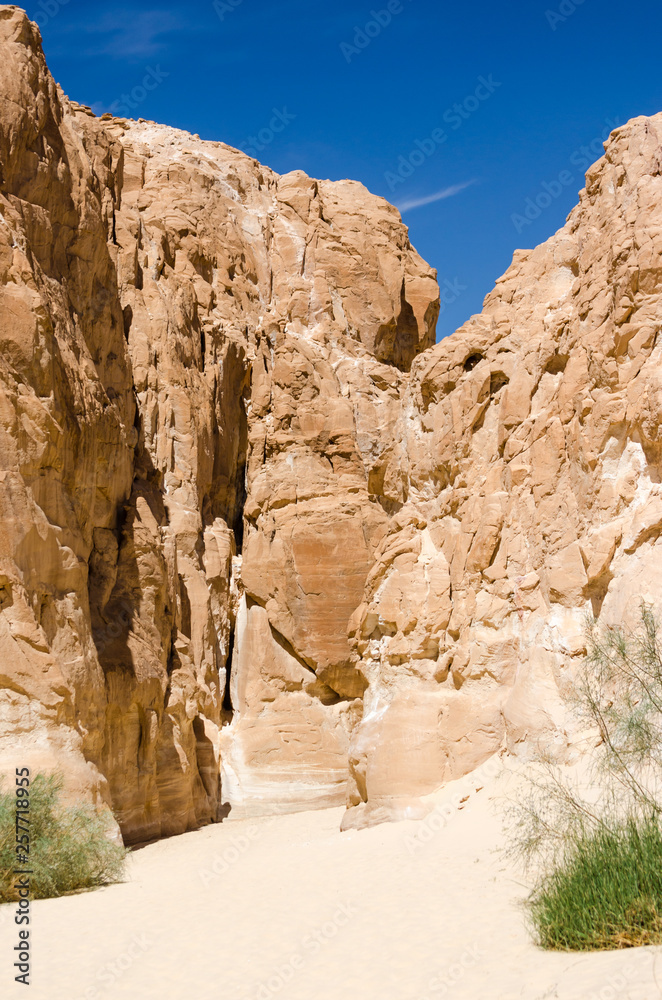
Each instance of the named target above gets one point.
<point>534,496</point>
<point>201,364</point>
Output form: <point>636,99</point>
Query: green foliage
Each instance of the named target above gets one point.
<point>620,694</point>
<point>594,839</point>
<point>69,847</point>
<point>606,893</point>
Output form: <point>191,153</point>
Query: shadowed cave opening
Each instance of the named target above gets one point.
<point>557,364</point>
<point>472,361</point>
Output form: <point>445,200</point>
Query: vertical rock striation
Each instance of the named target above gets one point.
<point>200,367</point>
<point>263,546</point>
<point>534,471</point>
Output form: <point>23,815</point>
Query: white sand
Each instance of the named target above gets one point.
<point>303,912</point>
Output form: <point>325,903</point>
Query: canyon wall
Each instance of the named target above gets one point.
<point>534,498</point>
<point>201,365</point>
<point>263,545</point>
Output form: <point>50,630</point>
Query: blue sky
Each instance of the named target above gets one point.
<point>465,115</point>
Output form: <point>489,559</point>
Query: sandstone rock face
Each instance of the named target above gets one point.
<point>533,481</point>
<point>201,365</point>
<point>264,547</point>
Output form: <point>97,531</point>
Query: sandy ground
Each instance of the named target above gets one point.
<point>293,909</point>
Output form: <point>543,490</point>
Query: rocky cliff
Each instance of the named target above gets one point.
<point>263,546</point>
<point>534,493</point>
<point>201,366</point>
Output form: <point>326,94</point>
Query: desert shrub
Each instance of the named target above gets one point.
<point>606,892</point>
<point>69,846</point>
<point>594,841</point>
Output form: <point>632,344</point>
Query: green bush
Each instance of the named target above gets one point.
<point>594,839</point>
<point>69,847</point>
<point>606,893</point>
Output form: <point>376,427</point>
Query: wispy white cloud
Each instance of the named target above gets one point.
<point>124,33</point>
<point>430,199</point>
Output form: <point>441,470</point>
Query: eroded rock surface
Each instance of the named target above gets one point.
<point>534,496</point>
<point>201,364</point>
<point>263,546</point>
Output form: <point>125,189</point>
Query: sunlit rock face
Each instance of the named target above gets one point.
<point>263,546</point>
<point>533,450</point>
<point>201,369</point>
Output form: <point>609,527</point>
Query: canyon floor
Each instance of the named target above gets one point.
<point>291,908</point>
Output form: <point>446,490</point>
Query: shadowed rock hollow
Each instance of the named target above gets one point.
<point>262,545</point>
